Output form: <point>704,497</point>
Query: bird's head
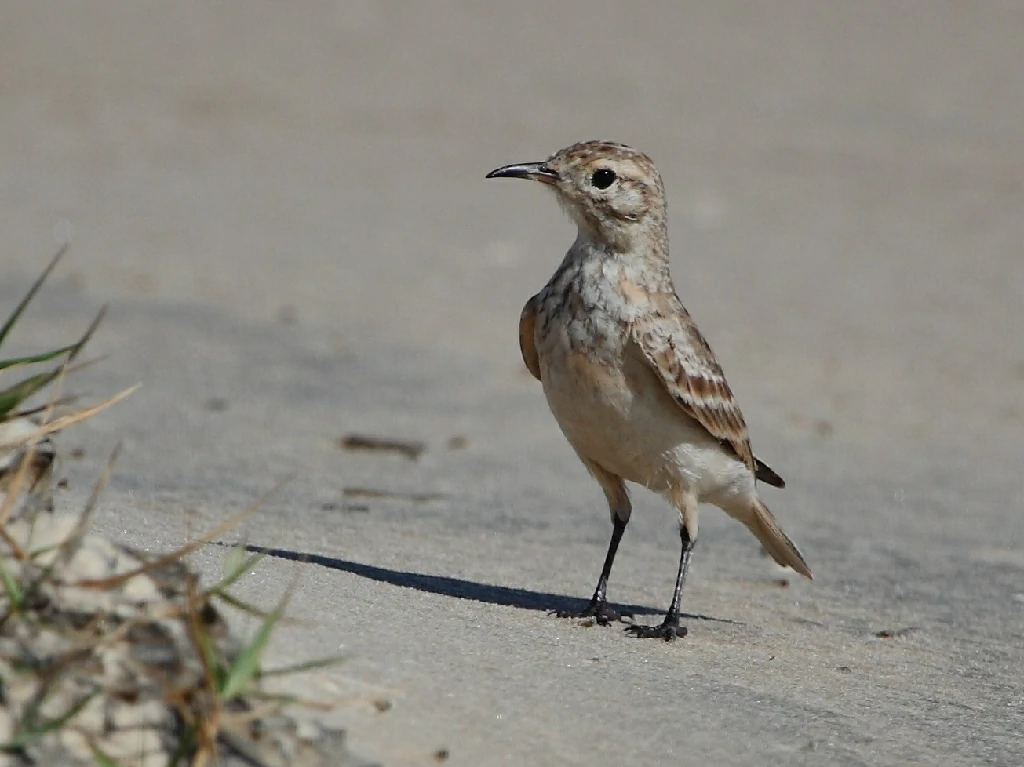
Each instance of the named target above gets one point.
<point>612,191</point>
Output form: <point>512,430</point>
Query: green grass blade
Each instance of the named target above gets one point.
<point>101,758</point>
<point>12,589</point>
<point>22,737</point>
<point>236,566</point>
<point>246,665</point>
<point>11,397</point>
<point>238,604</point>
<point>281,699</point>
<point>235,556</point>
<point>9,324</point>
<point>310,665</point>
<point>33,359</point>
<point>77,347</point>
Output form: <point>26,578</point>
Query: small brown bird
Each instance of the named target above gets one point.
<point>628,376</point>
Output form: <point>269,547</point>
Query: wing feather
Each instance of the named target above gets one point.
<point>671,344</point>
<point>527,338</point>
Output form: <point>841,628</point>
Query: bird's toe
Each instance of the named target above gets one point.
<point>667,631</point>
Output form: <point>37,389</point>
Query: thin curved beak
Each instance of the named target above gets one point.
<point>536,171</point>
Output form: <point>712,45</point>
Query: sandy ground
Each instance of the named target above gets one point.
<point>284,204</point>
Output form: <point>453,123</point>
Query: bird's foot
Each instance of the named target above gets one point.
<point>668,630</point>
<point>597,611</point>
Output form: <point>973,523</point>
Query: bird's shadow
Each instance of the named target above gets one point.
<point>460,588</point>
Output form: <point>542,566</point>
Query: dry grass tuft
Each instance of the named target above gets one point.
<point>109,656</point>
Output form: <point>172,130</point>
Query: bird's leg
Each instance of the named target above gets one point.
<point>598,608</point>
<point>669,628</point>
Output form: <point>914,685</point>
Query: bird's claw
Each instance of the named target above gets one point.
<point>668,630</point>
<point>600,612</point>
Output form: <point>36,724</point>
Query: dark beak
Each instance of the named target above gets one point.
<point>536,171</point>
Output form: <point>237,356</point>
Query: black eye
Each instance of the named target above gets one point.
<point>602,178</point>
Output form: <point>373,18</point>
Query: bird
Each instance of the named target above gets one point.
<point>630,379</point>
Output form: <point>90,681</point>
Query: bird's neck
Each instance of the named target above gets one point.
<point>641,251</point>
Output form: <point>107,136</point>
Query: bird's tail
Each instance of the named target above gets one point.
<point>763,525</point>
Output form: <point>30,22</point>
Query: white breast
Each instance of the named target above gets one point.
<point>614,411</point>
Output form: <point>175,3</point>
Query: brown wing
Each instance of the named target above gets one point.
<point>675,349</point>
<point>527,342</point>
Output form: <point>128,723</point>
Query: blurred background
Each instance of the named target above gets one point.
<point>285,204</point>
<point>846,177</point>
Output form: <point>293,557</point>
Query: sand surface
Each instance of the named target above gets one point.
<point>284,204</point>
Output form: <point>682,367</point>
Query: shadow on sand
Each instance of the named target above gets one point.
<point>463,589</point>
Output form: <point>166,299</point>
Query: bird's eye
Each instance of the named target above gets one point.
<point>602,178</point>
